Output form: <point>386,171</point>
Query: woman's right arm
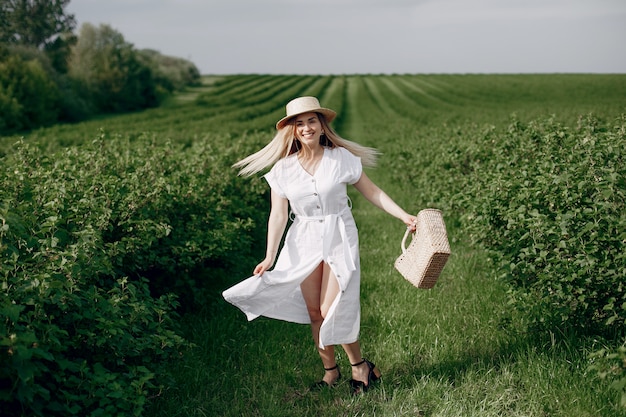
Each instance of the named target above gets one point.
<point>275,229</point>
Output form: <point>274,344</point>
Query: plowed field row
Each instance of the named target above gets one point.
<point>236,104</point>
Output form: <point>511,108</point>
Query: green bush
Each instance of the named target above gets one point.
<point>72,105</point>
<point>93,242</point>
<point>28,97</point>
<point>551,201</point>
<point>10,109</point>
<point>170,73</point>
<point>553,206</point>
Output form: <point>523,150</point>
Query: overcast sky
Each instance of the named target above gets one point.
<point>373,36</point>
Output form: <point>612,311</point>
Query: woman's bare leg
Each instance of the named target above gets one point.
<point>360,372</point>
<point>320,290</point>
<point>317,290</point>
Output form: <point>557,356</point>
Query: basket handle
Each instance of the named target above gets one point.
<point>403,244</point>
<point>406,235</point>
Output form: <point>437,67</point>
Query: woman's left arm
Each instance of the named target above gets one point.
<point>380,199</point>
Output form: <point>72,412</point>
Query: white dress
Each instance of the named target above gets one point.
<point>323,229</point>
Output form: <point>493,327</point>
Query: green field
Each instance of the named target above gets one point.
<point>516,163</point>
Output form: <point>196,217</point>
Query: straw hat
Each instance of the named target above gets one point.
<point>305,105</point>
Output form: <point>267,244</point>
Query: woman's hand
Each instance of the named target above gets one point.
<point>263,266</point>
<point>411,222</point>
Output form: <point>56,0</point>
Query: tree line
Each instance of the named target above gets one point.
<point>50,74</point>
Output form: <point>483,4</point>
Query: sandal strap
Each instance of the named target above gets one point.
<point>357,364</point>
<point>332,369</point>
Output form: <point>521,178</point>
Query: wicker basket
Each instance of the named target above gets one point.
<point>422,262</point>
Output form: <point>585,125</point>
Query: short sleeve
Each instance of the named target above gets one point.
<point>352,168</point>
<point>274,179</point>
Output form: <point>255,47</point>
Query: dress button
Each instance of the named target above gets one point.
<point>315,194</point>
<point>318,206</point>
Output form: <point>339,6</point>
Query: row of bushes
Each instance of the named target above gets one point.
<point>103,73</point>
<point>550,202</point>
<point>94,240</point>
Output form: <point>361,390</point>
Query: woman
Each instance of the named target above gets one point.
<point>316,278</point>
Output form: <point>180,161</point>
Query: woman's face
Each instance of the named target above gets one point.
<point>308,129</point>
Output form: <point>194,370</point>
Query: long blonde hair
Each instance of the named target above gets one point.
<point>285,143</point>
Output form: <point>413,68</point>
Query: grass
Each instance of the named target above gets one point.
<point>442,352</point>
<point>191,93</point>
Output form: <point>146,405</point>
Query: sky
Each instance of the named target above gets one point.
<point>373,36</point>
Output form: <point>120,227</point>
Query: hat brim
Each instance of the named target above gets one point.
<point>329,115</point>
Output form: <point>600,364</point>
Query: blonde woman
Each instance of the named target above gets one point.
<point>316,278</point>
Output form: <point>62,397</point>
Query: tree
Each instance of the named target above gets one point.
<point>28,98</point>
<point>110,71</point>
<point>34,22</point>
<point>42,24</point>
<point>171,73</point>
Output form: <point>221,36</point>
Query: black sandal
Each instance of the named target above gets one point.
<point>372,376</point>
<point>323,384</point>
